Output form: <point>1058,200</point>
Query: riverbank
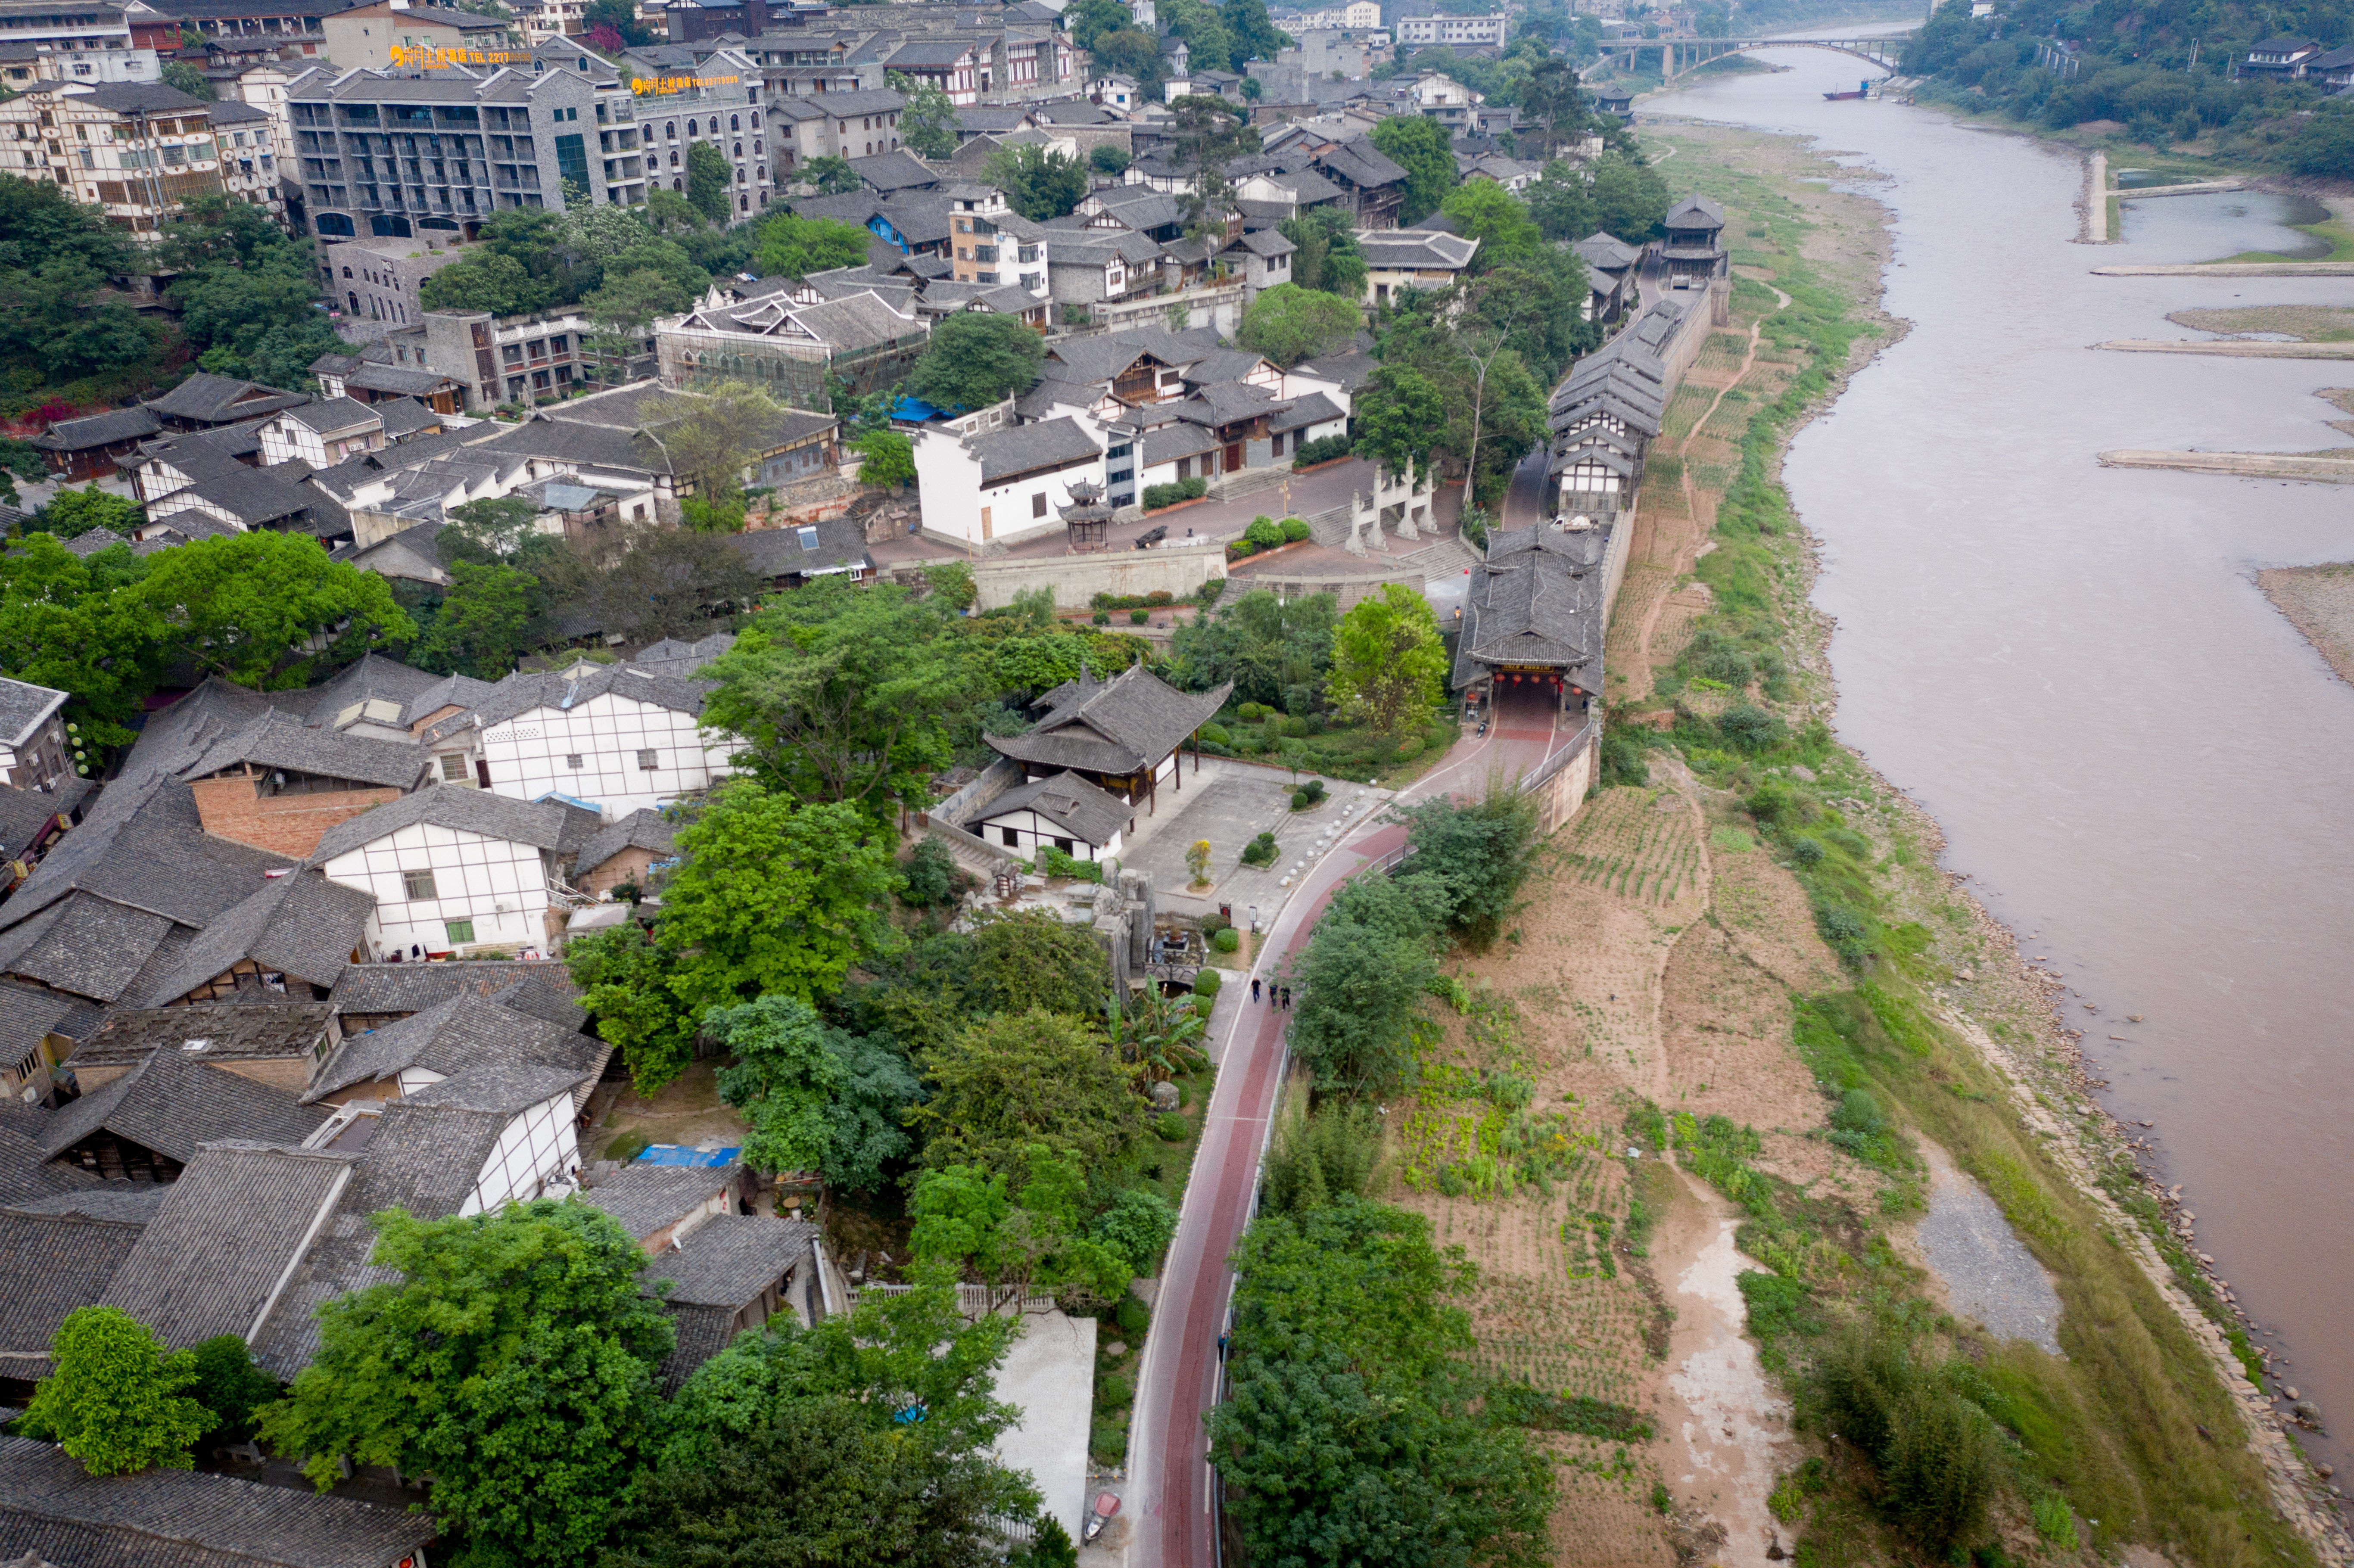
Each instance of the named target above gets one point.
<point>1761,922</point>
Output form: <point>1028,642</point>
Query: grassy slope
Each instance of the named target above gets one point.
<point>2135,1426</point>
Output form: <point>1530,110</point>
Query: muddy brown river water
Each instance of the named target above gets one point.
<point>2144,770</point>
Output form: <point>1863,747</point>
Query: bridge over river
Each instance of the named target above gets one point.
<point>1680,56</point>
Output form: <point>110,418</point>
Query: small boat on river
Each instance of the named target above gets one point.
<point>1863,91</point>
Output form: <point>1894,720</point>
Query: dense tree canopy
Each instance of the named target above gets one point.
<point>1420,147</point>
<point>1389,664</point>
<point>1277,651</point>
<point>1018,1079</point>
<point>511,1361</point>
<point>1039,183</point>
<point>115,1401</point>
<point>247,607</point>
<point>1326,259</point>
<point>1288,323</point>
<point>975,360</point>
<point>927,123</point>
<point>796,247</point>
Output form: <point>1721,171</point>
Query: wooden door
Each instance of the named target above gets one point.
<point>1233,456</point>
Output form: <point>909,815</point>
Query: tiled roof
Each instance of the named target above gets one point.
<point>452,1036</point>
<point>129,1203</point>
<point>1606,252</point>
<point>1695,212</point>
<point>1068,801</point>
<point>24,704</point>
<point>642,829</point>
<point>336,416</point>
<point>1176,440</point>
<point>645,1198</point>
<point>1537,600</point>
<point>1348,371</point>
<point>894,171</point>
<point>830,544</point>
<point>89,544</point>
<point>26,1175</point>
<point>1416,247</point>
<point>731,1258</point>
<point>172,1103</point>
<point>1361,162</point>
<point>522,692</point>
<point>1119,726</point>
<point>1027,449</point>
<point>231,1032</point>
<point>99,430</point>
<point>23,814</point>
<point>1315,409</point>
<point>455,806</point>
<point>505,1087</point>
<point>670,656</point>
<point>225,1235</point>
<point>49,1264</point>
<point>301,925</point>
<point>188,1518</point>
<point>217,400</point>
<point>89,946</point>
<point>540,987</point>
<point>277,740</point>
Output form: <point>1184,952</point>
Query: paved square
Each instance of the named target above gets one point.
<point>1230,803</point>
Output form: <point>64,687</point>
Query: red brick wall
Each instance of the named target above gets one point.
<point>287,824</point>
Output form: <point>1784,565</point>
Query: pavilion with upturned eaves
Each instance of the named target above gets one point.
<point>1125,735</point>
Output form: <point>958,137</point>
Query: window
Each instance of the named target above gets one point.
<point>453,768</point>
<point>808,537</point>
<point>461,931</point>
<point>1012,838</point>
<point>735,122</point>
<point>572,760</point>
<point>1063,844</point>
<point>649,760</point>
<point>417,884</point>
<point>1038,504</point>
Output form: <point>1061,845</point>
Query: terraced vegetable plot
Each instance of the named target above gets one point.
<point>1634,851</point>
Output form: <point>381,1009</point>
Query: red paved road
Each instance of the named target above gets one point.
<point>1167,1491</point>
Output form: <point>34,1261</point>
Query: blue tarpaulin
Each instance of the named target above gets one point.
<point>679,1154</point>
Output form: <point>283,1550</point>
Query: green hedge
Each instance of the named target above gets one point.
<point>1159,598</point>
<point>1228,940</point>
<point>1159,495</point>
<point>1310,454</point>
<point>1208,980</point>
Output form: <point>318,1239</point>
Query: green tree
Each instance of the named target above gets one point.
<point>189,78</point>
<point>1108,158</point>
<point>621,15</point>
<point>1561,203</point>
<point>1089,20</point>
<point>841,693</point>
<point>1032,960</point>
<point>19,460</point>
<point>1362,982</point>
<point>1210,133</point>
<point>890,458</point>
<point>1254,38</point>
<point>708,176</point>
<point>867,1121</point>
<point>1288,323</point>
<point>889,1354</point>
<point>927,125</point>
<point>485,623</point>
<point>1420,147</point>
<point>247,606</point>
<point>645,581</point>
<point>1351,1433</point>
<point>976,360</point>
<point>820,1484</point>
<point>233,1390</point>
<point>1208,45</point>
<point>490,281</point>
<point>672,214</point>
<point>1630,199</point>
<point>116,1402</point>
<point>1327,259</point>
<point>1132,52</point>
<point>1039,183</point>
<point>712,435</point>
<point>1400,414</point>
<point>1487,212</point>
<point>782,1078</point>
<point>1017,1079</point>
<point>55,255</point>
<point>796,247</point>
<point>1028,1241</point>
<point>71,513</point>
<point>1389,663</point>
<point>1276,651</point>
<point>511,1361</point>
<point>832,176</point>
<point>488,530</point>
<point>1477,854</point>
<point>63,624</point>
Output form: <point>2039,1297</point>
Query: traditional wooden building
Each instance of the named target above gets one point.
<point>1123,735</point>
<point>1534,616</point>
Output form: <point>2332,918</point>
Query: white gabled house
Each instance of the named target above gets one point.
<point>455,871</point>
<point>612,738</point>
<point>1064,811</point>
<point>1004,485</point>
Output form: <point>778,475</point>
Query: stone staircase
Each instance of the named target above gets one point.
<point>1447,558</point>
<point>1250,481</point>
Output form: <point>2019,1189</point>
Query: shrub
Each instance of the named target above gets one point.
<point>1409,748</point>
<point>1228,940</point>
<point>1294,530</point>
<point>1207,593</point>
<point>1207,982</point>
<point>1054,862</point>
<point>1313,790</point>
<point>931,875</point>
<point>1170,494</point>
<point>1623,761</point>
<point>1133,1317</point>
<point>1139,617</point>
<point>1138,1226</point>
<point>1323,449</point>
<point>1807,851</point>
<point>1251,713</point>
<point>1260,850</point>
<point>1213,734</point>
<point>1101,619</point>
<point>1844,931</point>
<point>1213,923</point>
<point>1264,534</point>
<point>2056,1521</point>
<point>1171,1127</point>
<point>1300,800</point>
<point>1752,728</point>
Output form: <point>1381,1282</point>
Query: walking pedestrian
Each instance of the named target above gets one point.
<point>1286,999</point>
<point>1254,991</point>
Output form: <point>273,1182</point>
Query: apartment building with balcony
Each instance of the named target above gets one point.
<point>438,153</point>
<point>712,96</point>
<point>136,151</point>
<point>1452,32</point>
<point>24,63</point>
<point>993,243</point>
<point>293,29</point>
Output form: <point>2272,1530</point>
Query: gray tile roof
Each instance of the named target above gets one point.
<point>642,829</point>
<point>1537,600</point>
<point>1180,439</point>
<point>451,1036</point>
<point>730,1259</point>
<point>645,1198</point>
<point>524,691</point>
<point>278,740</point>
<point>1605,251</point>
<point>1416,248</point>
<point>232,1031</point>
<point>1103,357</point>
<point>173,1103</point>
<point>1695,212</point>
<point>1349,371</point>
<point>455,806</point>
<point>542,988</point>
<point>670,656</point>
<point>894,171</point>
<point>1315,409</point>
<point>1226,403</point>
<point>703,1332</point>
<point>49,1264</point>
<point>217,400</point>
<point>188,1518</point>
<point>1029,449</point>
<point>89,946</point>
<point>225,1235</point>
<point>25,1174</point>
<point>337,415</point>
<point>300,925</point>
<point>128,1202</point>
<point>505,1088</point>
<point>423,1159</point>
<point>1360,162</point>
<point>24,704</point>
<point>1119,726</point>
<point>1070,803</point>
<point>25,813</point>
<point>153,97</point>
<point>90,544</point>
<point>830,544</point>
<point>99,430</point>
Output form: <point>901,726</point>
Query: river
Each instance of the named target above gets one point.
<point>2141,765</point>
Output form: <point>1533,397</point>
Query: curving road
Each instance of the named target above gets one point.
<point>1167,1496</point>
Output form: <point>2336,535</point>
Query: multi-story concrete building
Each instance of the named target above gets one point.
<point>993,243</point>
<point>859,125</point>
<point>384,35</point>
<point>1452,32</point>
<point>1364,13</point>
<point>402,156</point>
<point>247,140</point>
<point>374,281</point>
<point>73,26</point>
<point>136,151</point>
<point>295,28</point>
<point>511,359</point>
<point>711,96</point>
<point>23,64</point>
